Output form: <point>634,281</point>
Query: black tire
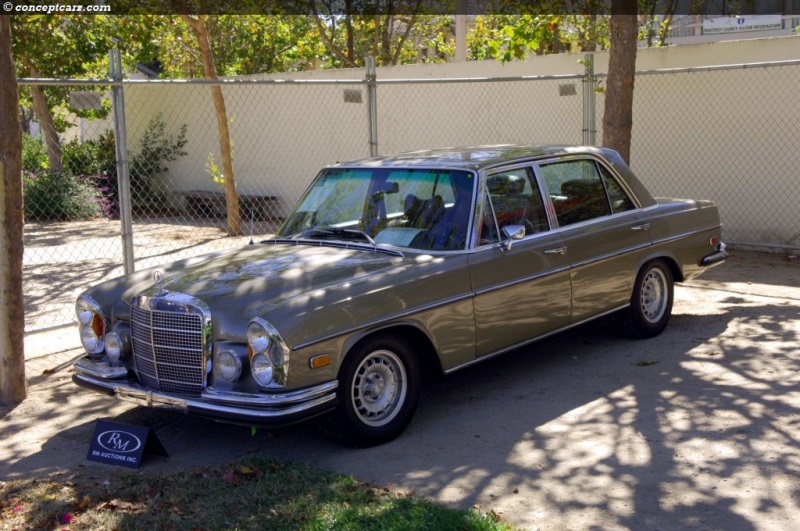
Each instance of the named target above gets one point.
<point>379,385</point>
<point>651,301</point>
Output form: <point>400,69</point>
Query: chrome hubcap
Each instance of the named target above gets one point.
<point>379,388</point>
<point>654,295</point>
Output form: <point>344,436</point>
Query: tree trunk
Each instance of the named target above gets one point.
<point>45,117</point>
<point>12,316</point>
<point>618,115</point>
<point>198,26</point>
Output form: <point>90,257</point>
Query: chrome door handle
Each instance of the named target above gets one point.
<point>645,226</point>
<point>559,250</point>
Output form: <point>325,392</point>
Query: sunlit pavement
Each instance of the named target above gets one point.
<point>696,429</point>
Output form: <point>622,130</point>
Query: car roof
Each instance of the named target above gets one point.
<point>471,157</point>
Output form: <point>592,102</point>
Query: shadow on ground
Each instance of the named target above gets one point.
<point>698,428</point>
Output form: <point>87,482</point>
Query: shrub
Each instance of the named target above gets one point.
<point>59,196</point>
<point>156,148</point>
<point>34,156</point>
<point>92,157</point>
<point>96,161</point>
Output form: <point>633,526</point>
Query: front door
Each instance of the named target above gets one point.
<point>521,292</point>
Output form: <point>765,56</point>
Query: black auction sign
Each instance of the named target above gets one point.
<point>122,444</point>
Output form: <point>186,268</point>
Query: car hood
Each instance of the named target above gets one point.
<point>273,272</point>
<point>306,289</point>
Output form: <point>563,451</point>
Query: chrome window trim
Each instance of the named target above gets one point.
<point>597,159</point>
<point>389,249</point>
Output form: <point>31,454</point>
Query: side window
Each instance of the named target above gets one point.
<point>512,199</point>
<point>577,191</point>
<point>620,202</point>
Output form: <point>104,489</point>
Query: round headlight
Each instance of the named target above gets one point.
<point>262,369</point>
<point>91,323</point>
<point>91,341</point>
<point>227,366</point>
<point>84,311</point>
<point>258,337</point>
<point>114,347</point>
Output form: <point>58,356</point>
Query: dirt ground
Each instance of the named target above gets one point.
<point>698,428</point>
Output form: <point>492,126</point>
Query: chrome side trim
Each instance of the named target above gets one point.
<point>530,278</point>
<point>684,235</point>
<point>532,340</point>
<point>387,319</point>
<point>623,252</point>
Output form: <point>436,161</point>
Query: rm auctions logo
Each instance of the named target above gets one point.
<point>119,441</point>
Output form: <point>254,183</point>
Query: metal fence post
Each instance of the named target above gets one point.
<point>372,105</point>
<point>121,141</point>
<point>589,107</point>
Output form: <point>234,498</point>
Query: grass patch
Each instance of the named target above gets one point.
<point>251,493</point>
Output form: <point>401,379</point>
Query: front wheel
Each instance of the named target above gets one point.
<point>378,392</point>
<point>651,301</point>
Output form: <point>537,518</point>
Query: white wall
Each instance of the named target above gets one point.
<point>729,135</point>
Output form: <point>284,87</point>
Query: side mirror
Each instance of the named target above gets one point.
<point>511,233</point>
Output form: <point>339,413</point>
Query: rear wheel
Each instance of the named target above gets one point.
<point>378,392</point>
<point>651,301</point>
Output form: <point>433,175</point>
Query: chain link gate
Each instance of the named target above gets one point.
<point>687,141</point>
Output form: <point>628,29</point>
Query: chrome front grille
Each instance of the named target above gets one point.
<point>169,345</point>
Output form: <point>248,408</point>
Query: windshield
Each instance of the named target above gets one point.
<point>419,208</point>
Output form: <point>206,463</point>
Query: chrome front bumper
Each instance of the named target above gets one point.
<point>237,408</point>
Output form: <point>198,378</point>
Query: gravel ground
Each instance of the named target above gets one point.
<point>698,428</point>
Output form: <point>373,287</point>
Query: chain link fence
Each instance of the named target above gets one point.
<point>729,134</point>
<point>724,134</point>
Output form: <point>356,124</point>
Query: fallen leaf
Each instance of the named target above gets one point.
<point>83,504</point>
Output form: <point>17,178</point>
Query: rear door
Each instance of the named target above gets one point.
<point>604,232</point>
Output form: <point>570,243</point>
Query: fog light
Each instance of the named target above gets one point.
<point>114,347</point>
<point>227,366</point>
<point>262,369</point>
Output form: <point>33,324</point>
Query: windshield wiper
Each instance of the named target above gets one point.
<point>331,231</point>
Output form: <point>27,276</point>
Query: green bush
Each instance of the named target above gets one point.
<point>92,157</point>
<point>60,196</point>
<point>34,156</point>
<point>96,161</point>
